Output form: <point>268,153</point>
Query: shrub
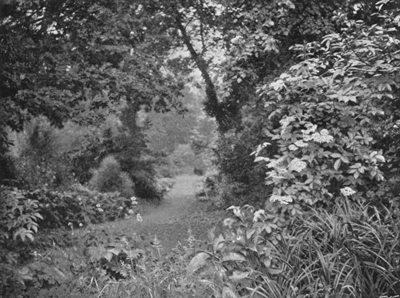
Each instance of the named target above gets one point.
<point>327,115</point>
<point>19,216</point>
<point>110,178</point>
<point>23,213</point>
<point>61,209</point>
<point>183,158</point>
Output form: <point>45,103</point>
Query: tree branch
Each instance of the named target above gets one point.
<point>212,106</point>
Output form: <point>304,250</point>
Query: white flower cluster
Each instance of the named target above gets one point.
<point>286,121</point>
<point>310,134</point>
<point>347,191</point>
<point>98,206</point>
<point>284,76</point>
<point>322,137</point>
<point>288,78</point>
<point>281,171</point>
<point>301,144</point>
<point>298,144</point>
<point>133,200</point>
<point>294,79</point>
<point>311,128</point>
<point>297,165</point>
<point>281,199</point>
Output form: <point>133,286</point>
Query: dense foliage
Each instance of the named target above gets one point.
<point>328,114</point>
<point>66,60</point>
<point>305,99</point>
<point>330,226</point>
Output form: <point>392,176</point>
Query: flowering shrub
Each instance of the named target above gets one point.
<point>329,114</point>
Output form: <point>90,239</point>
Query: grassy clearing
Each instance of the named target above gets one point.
<point>172,221</point>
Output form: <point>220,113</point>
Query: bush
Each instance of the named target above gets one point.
<point>19,216</point>
<point>110,178</point>
<point>63,209</point>
<point>23,213</point>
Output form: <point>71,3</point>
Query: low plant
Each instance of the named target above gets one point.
<point>77,207</point>
<point>353,252</point>
<point>127,266</point>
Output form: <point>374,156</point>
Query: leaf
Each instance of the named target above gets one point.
<point>267,262</point>
<point>275,271</point>
<point>239,275</point>
<point>114,251</point>
<point>96,253</point>
<point>38,215</point>
<point>197,262</point>
<point>345,159</point>
<point>108,255</point>
<point>234,256</point>
<point>29,235</point>
<point>337,164</point>
<point>250,233</point>
<point>24,270</point>
<point>218,243</point>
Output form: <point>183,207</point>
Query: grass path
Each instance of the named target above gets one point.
<point>171,220</point>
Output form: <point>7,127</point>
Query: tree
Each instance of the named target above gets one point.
<point>67,60</point>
